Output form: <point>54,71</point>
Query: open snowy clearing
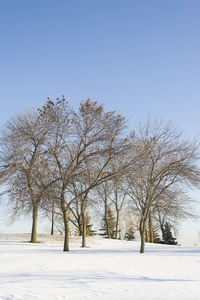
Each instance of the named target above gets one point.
<point>107,269</point>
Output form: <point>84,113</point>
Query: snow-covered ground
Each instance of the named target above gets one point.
<point>107,269</point>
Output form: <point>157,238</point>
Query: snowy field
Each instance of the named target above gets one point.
<point>107,269</point>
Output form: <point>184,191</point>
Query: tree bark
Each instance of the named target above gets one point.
<point>34,225</point>
<point>146,234</point>
<point>84,228</point>
<point>117,225</point>
<point>52,220</point>
<point>79,225</point>
<point>163,231</point>
<point>151,237</point>
<point>142,235</point>
<point>66,224</point>
<point>106,220</point>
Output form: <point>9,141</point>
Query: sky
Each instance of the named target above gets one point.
<point>141,58</point>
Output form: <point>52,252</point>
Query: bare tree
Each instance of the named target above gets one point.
<point>25,161</point>
<point>168,161</point>
<point>90,137</point>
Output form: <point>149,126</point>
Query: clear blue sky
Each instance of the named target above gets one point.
<point>141,57</point>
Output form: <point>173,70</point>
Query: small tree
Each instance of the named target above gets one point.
<point>130,233</point>
<point>167,234</point>
<point>89,230</point>
<point>108,225</point>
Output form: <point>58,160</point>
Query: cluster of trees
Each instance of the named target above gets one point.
<point>70,163</point>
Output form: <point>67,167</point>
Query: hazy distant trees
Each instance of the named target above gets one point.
<point>174,205</point>
<point>103,193</point>
<point>112,195</point>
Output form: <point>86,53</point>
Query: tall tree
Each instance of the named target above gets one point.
<point>168,161</point>
<point>24,155</point>
<point>91,137</point>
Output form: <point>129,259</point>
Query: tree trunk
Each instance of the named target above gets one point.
<point>34,225</point>
<point>146,234</point>
<point>142,235</point>
<point>163,231</point>
<point>84,228</point>
<point>106,220</point>
<point>117,225</point>
<point>52,220</point>
<point>151,237</point>
<point>79,225</point>
<point>66,224</point>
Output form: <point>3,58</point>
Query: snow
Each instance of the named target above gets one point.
<point>107,269</point>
